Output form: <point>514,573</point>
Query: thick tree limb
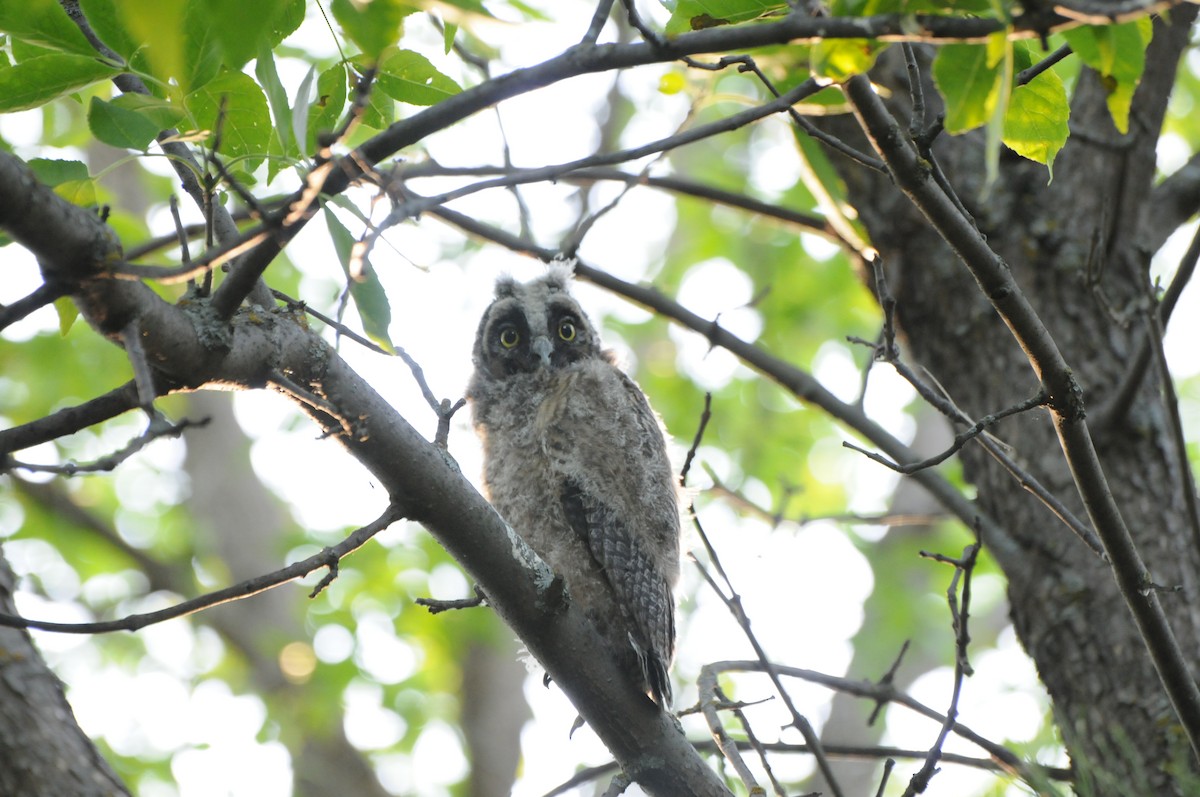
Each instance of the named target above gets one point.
<point>1065,397</point>
<point>421,481</point>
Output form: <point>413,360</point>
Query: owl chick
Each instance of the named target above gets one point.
<point>576,462</point>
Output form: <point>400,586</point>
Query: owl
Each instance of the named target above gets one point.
<point>576,462</point>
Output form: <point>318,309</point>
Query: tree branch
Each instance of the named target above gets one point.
<point>1065,397</point>
<point>329,558</point>
<point>422,482</point>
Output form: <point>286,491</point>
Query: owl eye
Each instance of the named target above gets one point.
<point>566,330</point>
<point>509,337</point>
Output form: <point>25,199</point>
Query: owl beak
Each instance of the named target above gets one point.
<point>542,348</point>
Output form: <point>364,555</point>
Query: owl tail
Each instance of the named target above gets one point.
<point>654,675</point>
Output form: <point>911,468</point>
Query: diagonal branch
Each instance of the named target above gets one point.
<point>329,557</point>
<point>1065,397</point>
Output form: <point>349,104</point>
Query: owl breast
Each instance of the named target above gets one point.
<point>575,460</point>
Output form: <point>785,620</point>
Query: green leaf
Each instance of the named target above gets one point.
<point>281,108</point>
<point>969,85</point>
<point>36,82</point>
<point>840,59</point>
<point>157,25</point>
<point>368,294</point>
<point>241,28</point>
<point>120,127</point>
<point>246,125</point>
<point>449,31</point>
<point>380,110</point>
<point>55,172</point>
<point>373,26</point>
<point>1036,124</point>
<point>1118,54</point>
<point>698,14</point>
<point>300,111</point>
<point>106,22</point>
<point>201,48</point>
<point>326,110</point>
<point>159,111</point>
<point>78,192</point>
<point>44,23</point>
<point>67,313</point>
<point>1000,53</point>
<point>409,77</point>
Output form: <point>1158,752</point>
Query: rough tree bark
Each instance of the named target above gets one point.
<point>43,750</point>
<point>1098,217</point>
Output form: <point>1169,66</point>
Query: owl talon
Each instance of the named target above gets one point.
<point>576,725</point>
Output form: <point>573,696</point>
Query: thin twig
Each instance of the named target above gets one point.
<point>329,557</point>
<point>599,18</point>
<point>1006,759</point>
<point>46,293</point>
<point>1187,484</point>
<point>961,439</point>
<point>959,614</point>
<point>155,429</point>
<point>705,417</point>
<point>1115,408</point>
<point>437,606</point>
<point>1027,75</point>
<point>916,122</point>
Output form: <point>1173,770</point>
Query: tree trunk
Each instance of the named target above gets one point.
<point>42,749</point>
<point>1116,720</point>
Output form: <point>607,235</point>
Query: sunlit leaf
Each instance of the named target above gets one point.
<point>1118,53</point>
<point>1036,124</point>
<point>969,85</point>
<point>242,27</point>
<point>406,76</point>
<point>1000,53</point>
<point>840,59</point>
<point>326,110</point>
<point>67,313</point>
<point>368,294</point>
<point>45,23</point>
<point>698,14</point>
<point>373,26</point>
<point>157,25</point>
<point>107,23</point>
<point>36,82</point>
<point>245,124</point>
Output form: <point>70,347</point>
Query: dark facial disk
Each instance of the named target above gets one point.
<point>569,334</point>
<point>503,346</point>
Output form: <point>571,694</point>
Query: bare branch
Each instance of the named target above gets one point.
<point>1007,760</point>
<point>46,293</point>
<point>157,428</point>
<point>963,567</point>
<point>1113,410</point>
<point>69,420</point>
<point>1066,404</point>
<point>329,557</point>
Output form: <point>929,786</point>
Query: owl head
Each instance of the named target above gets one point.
<point>533,327</point>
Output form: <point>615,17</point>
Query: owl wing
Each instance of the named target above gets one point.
<point>641,591</point>
<point>619,530</point>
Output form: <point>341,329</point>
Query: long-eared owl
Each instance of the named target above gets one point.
<point>576,462</point>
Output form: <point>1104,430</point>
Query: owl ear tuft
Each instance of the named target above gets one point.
<point>506,286</point>
<point>560,275</point>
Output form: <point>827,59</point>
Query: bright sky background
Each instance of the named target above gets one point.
<point>436,305</point>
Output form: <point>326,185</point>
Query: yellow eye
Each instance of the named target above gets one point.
<point>566,330</point>
<point>509,337</point>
